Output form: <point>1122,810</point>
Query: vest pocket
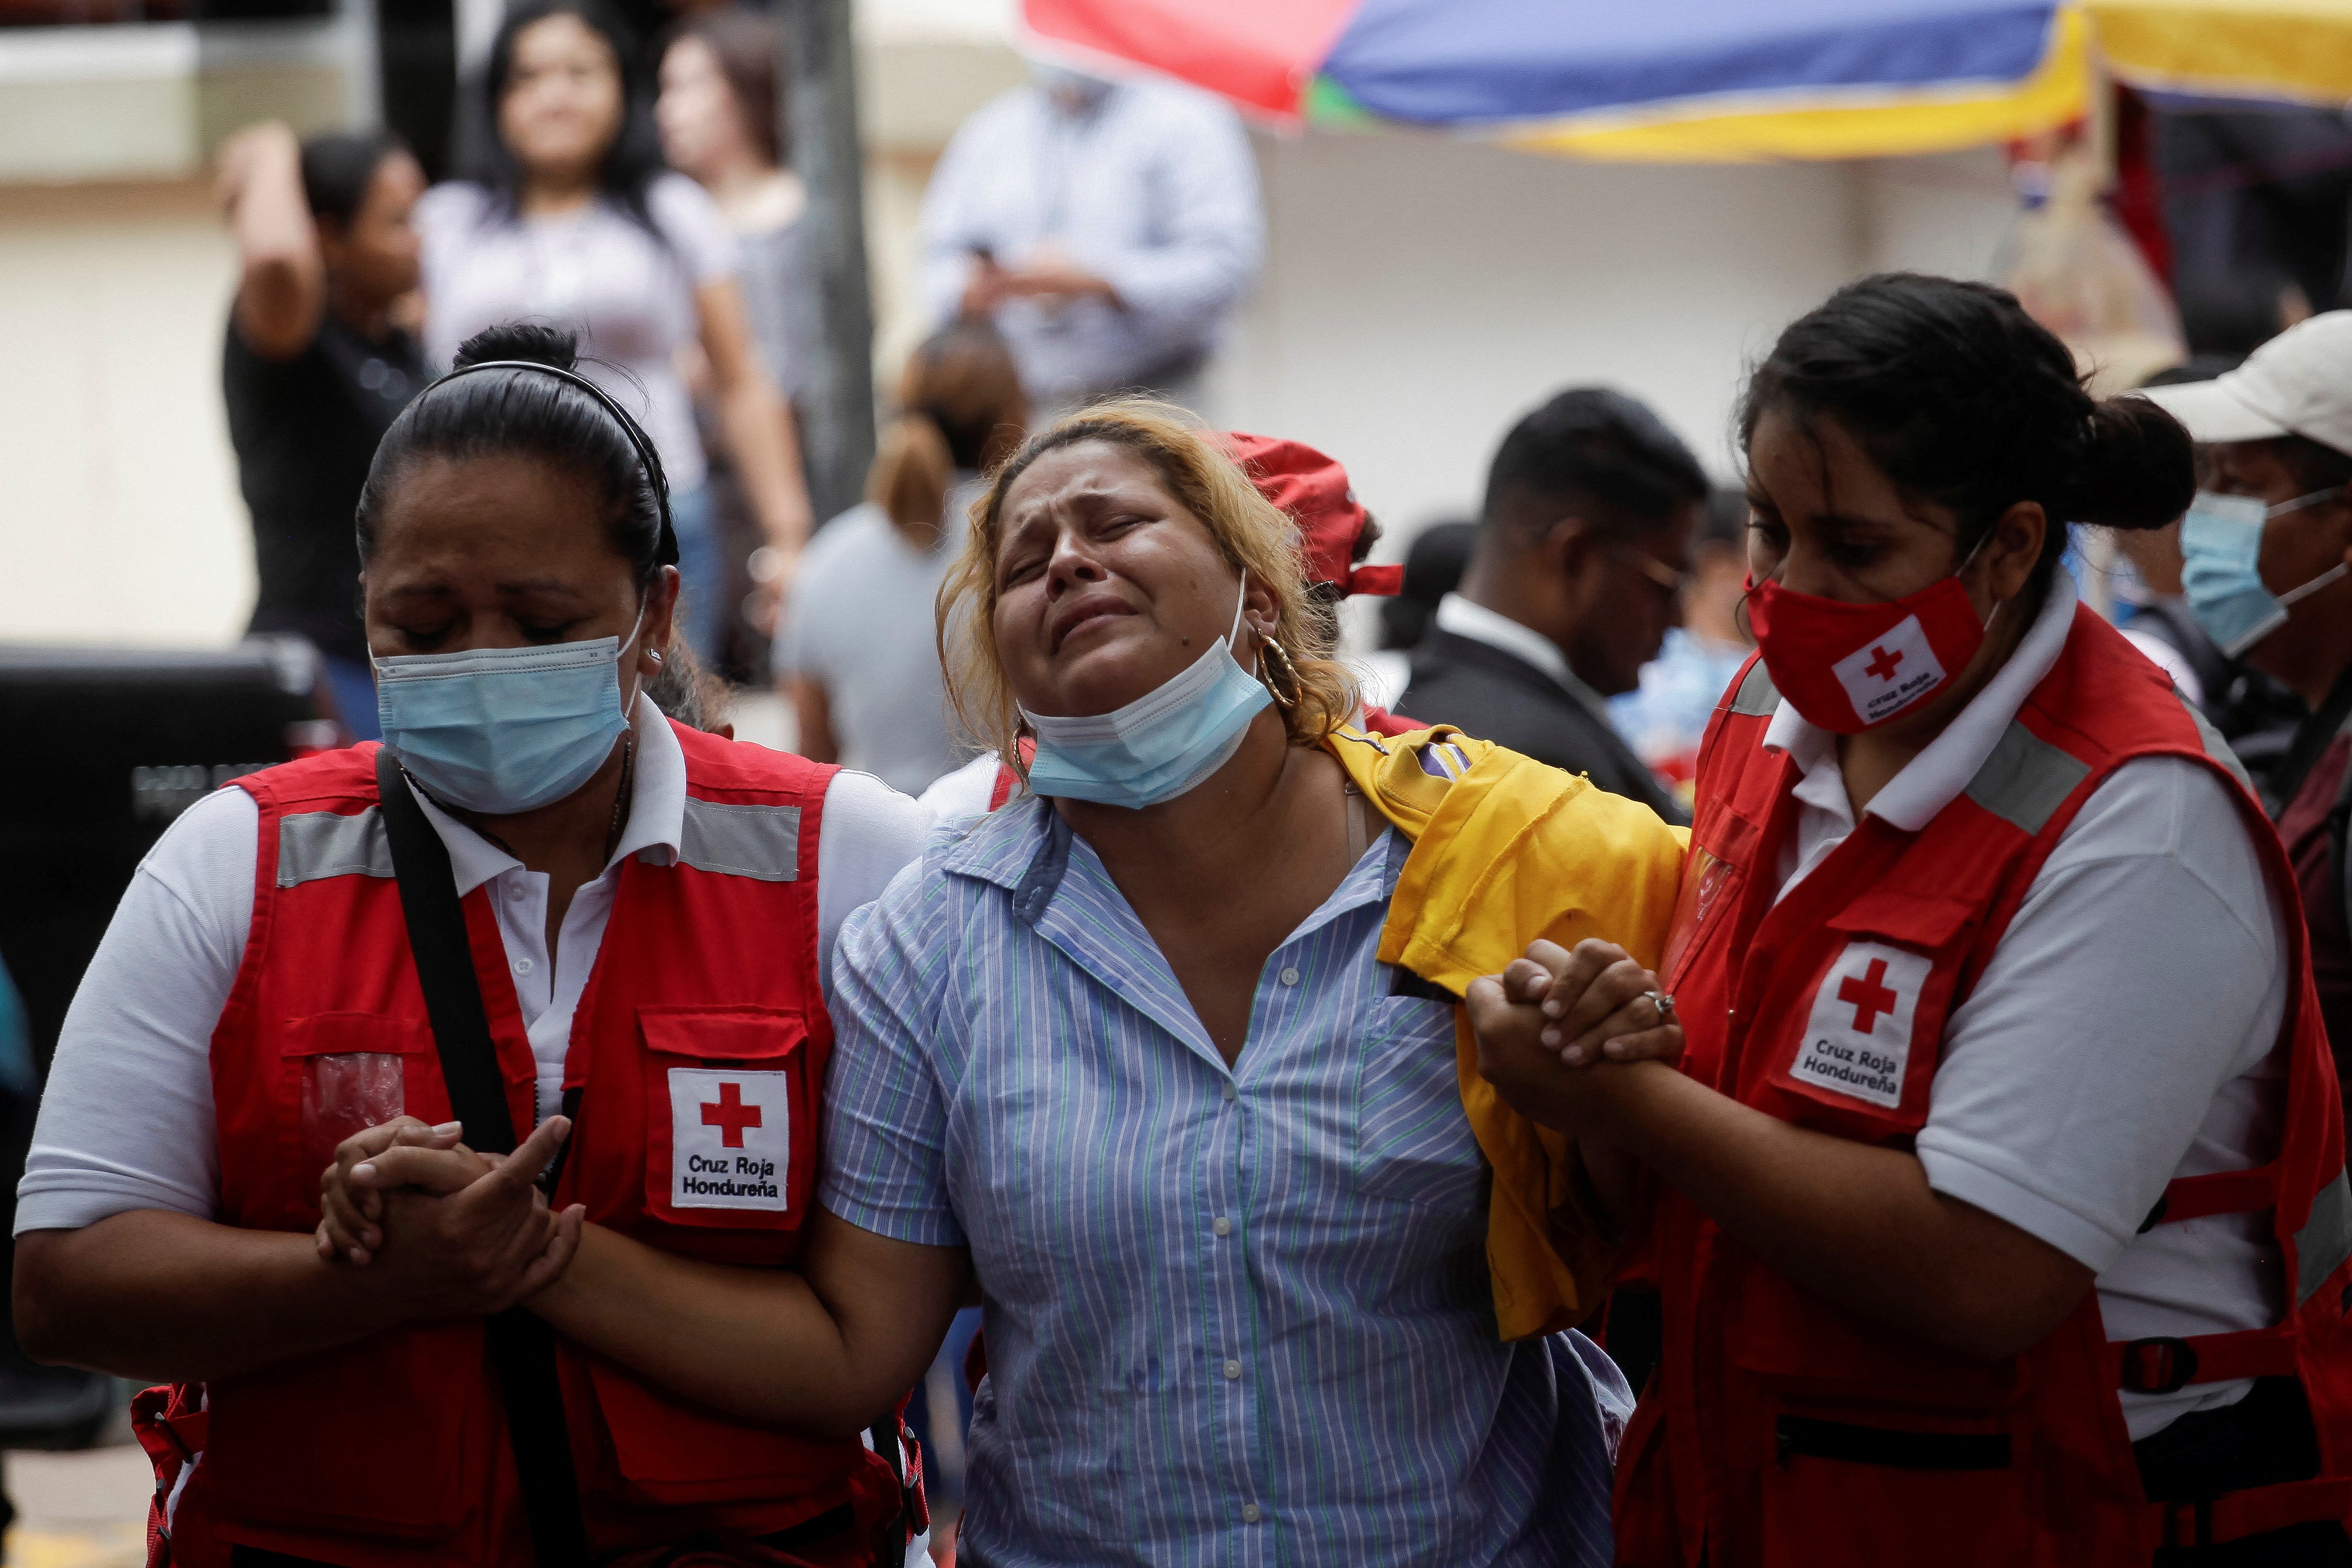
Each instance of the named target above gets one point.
<point>671,1453</point>
<point>1842,1493</point>
<point>730,1117</point>
<point>344,1073</point>
<point>384,1437</point>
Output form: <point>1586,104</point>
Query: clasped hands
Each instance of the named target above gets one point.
<point>1049,273</point>
<point>1558,1010</point>
<point>459,1233</point>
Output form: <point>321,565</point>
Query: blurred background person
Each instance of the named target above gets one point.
<point>2268,573</point>
<point>1108,230</point>
<point>315,366</point>
<point>2257,715</point>
<point>1582,552</point>
<point>1665,717</point>
<point>1433,568</point>
<point>567,215</point>
<point>723,122</point>
<point>855,652</point>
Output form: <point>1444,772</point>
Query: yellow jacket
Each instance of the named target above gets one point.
<point>1506,850</point>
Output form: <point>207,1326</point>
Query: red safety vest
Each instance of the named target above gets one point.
<point>1784,1429</point>
<point>696,1059</point>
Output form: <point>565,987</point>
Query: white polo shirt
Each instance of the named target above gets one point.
<point>2124,1033</point>
<point>127,1120</point>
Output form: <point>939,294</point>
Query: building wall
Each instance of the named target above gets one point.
<point>120,516</point>
<point>1423,292</point>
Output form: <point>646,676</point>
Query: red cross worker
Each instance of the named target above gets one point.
<point>1969,1245</point>
<point>404,1037</point>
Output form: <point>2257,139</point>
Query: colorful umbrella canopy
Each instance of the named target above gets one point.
<point>1668,80</point>
<point>1713,80</point>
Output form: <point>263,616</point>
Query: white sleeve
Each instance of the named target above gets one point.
<point>690,220</point>
<point>954,216</point>
<point>870,833</point>
<point>126,1121</point>
<point>966,792</point>
<point>2144,975</point>
<point>2167,658</point>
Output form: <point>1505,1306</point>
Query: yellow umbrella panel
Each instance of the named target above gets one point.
<point>2299,50</point>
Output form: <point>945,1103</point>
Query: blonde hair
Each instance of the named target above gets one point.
<point>961,405</point>
<point>1252,534</point>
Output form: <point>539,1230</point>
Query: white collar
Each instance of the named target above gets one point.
<point>1934,778</point>
<point>1468,619</point>
<point>656,809</point>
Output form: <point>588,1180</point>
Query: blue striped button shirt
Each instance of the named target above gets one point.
<point>1233,1317</point>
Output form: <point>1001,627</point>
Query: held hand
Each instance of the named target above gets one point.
<point>1513,1057</point>
<point>1527,1073</point>
<point>1596,1003</point>
<point>470,1235</point>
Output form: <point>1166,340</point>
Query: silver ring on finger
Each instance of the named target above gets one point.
<point>1663,1004</point>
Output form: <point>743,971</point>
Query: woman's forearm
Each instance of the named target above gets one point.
<point>170,1298</point>
<point>766,451</point>
<point>1853,1222</point>
<point>812,707</point>
<point>765,1345</point>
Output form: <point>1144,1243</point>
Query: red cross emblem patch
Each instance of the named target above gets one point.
<point>1858,1037</point>
<point>1889,673</point>
<point>730,1138</point>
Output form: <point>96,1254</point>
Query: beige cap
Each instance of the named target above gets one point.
<point>2298,384</point>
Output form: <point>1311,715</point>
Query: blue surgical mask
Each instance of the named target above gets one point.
<point>1157,746</point>
<point>503,730</point>
<point>2221,549</point>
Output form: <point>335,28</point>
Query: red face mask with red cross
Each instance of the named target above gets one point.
<point>1851,668</point>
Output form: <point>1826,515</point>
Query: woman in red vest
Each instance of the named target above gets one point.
<point>1999,1200</point>
<point>540,905</point>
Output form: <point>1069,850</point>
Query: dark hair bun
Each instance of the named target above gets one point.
<point>2138,468</point>
<point>534,341</point>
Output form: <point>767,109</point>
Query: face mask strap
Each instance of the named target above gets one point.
<point>2299,503</point>
<point>2314,586</point>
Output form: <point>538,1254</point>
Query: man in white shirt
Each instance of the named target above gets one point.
<point>1109,229</point>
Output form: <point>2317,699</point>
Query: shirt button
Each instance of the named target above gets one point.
<point>516,891</point>
<point>1232,1092</point>
<point>522,966</point>
<point>1291,976</point>
<point>1233,1371</point>
<point>1250,1513</point>
<point>1222,1225</point>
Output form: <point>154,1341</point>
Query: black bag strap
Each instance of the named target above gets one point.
<point>521,1346</point>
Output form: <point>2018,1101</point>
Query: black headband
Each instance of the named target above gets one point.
<point>666,548</point>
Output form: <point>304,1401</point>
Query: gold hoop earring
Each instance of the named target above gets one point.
<point>1290,671</point>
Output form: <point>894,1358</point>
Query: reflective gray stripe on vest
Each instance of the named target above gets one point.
<point>2215,747</point>
<point>1757,696</point>
<point>2026,779</point>
<point>312,845</point>
<point>2325,1240</point>
<point>759,841</point>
